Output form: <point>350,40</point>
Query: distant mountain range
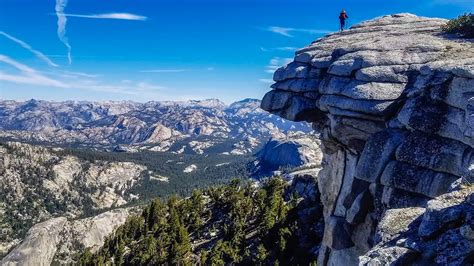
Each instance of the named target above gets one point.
<point>203,143</point>
<point>208,126</point>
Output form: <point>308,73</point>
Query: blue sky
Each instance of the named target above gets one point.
<point>145,50</point>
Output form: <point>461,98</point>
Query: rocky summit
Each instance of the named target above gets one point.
<point>393,99</point>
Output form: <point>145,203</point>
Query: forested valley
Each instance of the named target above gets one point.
<point>238,223</point>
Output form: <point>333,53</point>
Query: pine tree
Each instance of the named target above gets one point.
<point>161,235</point>
<point>262,254</point>
<point>180,247</point>
<point>193,209</point>
<point>180,243</point>
<point>275,208</point>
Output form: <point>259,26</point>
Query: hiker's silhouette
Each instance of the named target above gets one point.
<point>342,19</point>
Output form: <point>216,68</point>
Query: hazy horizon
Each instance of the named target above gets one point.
<point>128,100</point>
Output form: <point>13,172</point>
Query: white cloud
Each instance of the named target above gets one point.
<point>70,75</point>
<point>30,76</point>
<point>121,16</point>
<point>268,81</point>
<point>32,80</point>
<point>62,21</point>
<point>271,69</point>
<point>80,74</point>
<point>106,88</point>
<point>280,30</point>
<point>276,63</point>
<point>288,31</point>
<point>284,48</point>
<point>164,70</point>
<point>175,70</point>
<point>144,86</point>
<point>28,47</point>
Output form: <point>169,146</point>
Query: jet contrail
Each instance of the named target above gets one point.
<point>122,16</point>
<point>62,20</point>
<point>28,47</point>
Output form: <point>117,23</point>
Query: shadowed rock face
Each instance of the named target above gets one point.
<point>393,98</point>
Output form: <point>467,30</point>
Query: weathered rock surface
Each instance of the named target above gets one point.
<point>91,232</point>
<point>37,184</point>
<point>393,98</point>
<point>437,234</point>
<point>59,240</point>
<point>39,246</point>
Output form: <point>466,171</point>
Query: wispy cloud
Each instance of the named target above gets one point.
<point>75,75</point>
<point>280,30</point>
<point>176,70</point>
<point>145,86</point>
<point>27,75</point>
<point>284,48</point>
<point>131,89</point>
<point>276,63</point>
<point>121,16</point>
<point>62,21</point>
<point>82,74</point>
<point>28,47</point>
<point>164,70</point>
<point>30,76</point>
<point>288,32</point>
<point>267,81</point>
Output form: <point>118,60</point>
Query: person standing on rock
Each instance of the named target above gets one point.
<point>342,19</point>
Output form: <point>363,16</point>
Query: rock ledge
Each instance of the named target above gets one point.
<point>393,98</point>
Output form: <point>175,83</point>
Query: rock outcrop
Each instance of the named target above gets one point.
<point>59,240</point>
<point>283,156</point>
<point>393,99</point>
<point>39,246</point>
<point>37,184</point>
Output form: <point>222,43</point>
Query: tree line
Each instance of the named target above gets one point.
<point>238,223</point>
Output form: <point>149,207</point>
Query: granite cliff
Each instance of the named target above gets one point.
<point>59,240</point>
<point>393,100</point>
